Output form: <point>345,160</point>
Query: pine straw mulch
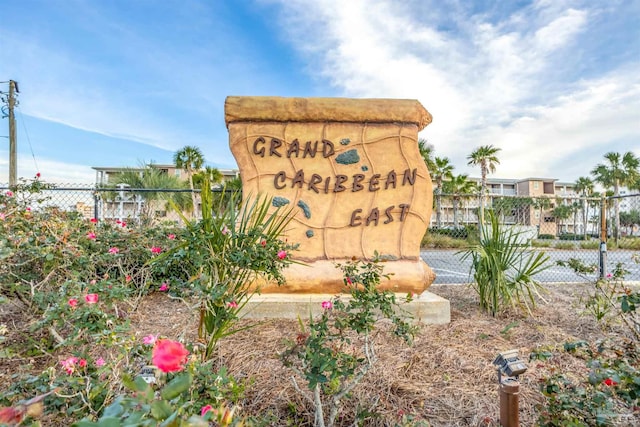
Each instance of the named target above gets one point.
<point>446,377</point>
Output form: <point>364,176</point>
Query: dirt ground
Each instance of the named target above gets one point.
<point>446,377</point>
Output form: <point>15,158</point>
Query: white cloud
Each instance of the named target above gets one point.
<point>56,171</point>
<point>485,81</point>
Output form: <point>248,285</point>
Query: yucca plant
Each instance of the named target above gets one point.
<point>504,270</point>
<point>233,245</point>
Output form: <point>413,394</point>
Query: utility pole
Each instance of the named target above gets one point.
<point>13,150</point>
<point>8,111</point>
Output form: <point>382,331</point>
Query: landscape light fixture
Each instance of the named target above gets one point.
<point>511,366</point>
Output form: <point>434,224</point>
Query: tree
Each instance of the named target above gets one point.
<point>442,170</point>
<point>584,186</point>
<point>212,174</point>
<point>459,186</point>
<point>151,178</point>
<point>190,159</point>
<point>486,157</point>
<point>617,171</point>
<point>561,213</point>
<point>426,152</point>
<point>542,204</point>
<point>629,220</point>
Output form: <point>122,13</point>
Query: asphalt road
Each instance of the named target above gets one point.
<point>449,267</point>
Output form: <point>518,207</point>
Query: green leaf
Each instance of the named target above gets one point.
<point>160,410</point>
<point>176,386</point>
<point>113,410</point>
<point>84,423</point>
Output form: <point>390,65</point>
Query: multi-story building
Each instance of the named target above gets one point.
<point>529,202</point>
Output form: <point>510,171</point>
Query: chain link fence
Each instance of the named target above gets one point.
<point>562,227</point>
<point>135,206</point>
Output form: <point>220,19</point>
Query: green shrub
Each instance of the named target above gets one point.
<point>504,271</point>
<point>334,351</point>
<point>546,237</point>
<point>438,241</point>
<point>590,244</point>
<point>458,233</point>
<point>564,245</point>
<point>632,243</point>
<point>540,243</point>
<point>571,236</point>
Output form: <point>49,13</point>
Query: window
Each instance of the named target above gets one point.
<point>178,173</point>
<point>549,219</point>
<point>536,185</point>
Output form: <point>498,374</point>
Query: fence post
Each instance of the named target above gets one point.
<point>603,238</point>
<point>96,201</point>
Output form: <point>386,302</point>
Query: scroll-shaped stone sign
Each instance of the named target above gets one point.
<point>352,171</point>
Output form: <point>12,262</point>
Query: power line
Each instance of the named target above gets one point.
<point>26,132</point>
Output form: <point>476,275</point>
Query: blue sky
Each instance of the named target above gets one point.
<point>555,84</point>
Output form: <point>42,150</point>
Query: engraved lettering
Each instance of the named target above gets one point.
<point>259,152</point>
<point>282,176</point>
<point>355,217</point>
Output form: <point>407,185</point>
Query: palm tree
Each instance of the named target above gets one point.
<point>617,171</point>
<point>561,213</point>
<point>426,152</point>
<point>190,159</point>
<point>212,174</point>
<point>442,170</point>
<point>459,186</point>
<point>147,179</point>
<point>486,157</point>
<point>584,187</point>
<point>542,204</point>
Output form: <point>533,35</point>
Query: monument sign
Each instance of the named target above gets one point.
<point>352,172</point>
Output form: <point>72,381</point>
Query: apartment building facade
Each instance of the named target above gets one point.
<point>527,202</point>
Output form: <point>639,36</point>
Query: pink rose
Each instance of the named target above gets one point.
<point>225,230</point>
<point>91,235</point>
<point>282,254</point>
<point>169,356</point>
<point>171,236</point>
<point>163,287</point>
<point>100,362</point>
<point>73,302</point>
<point>205,409</point>
<point>156,250</point>
<point>128,278</point>
<point>82,363</point>
<point>69,364</point>
<point>150,339</point>
<point>94,220</point>
<point>232,304</point>
<point>327,305</point>
<point>114,250</point>
<point>38,175</point>
<point>91,298</point>
<point>9,193</point>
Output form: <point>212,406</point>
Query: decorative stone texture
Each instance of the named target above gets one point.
<point>352,173</point>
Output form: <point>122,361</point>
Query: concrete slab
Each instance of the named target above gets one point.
<point>427,308</point>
